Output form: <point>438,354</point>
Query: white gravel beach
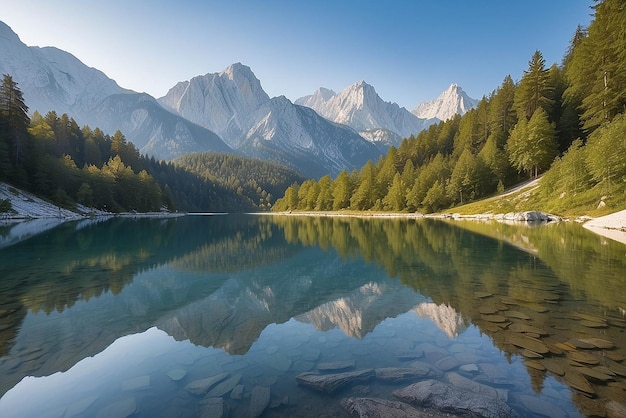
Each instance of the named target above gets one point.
<point>612,226</point>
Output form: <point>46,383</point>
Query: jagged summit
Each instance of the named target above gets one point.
<point>361,108</point>
<point>451,102</point>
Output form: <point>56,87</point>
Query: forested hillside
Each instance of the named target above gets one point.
<point>566,121</point>
<point>54,158</point>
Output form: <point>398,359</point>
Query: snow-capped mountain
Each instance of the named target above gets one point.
<point>233,104</point>
<point>52,79</point>
<point>360,107</point>
<point>451,102</point>
<point>221,102</point>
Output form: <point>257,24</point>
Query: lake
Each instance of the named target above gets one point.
<point>237,314</point>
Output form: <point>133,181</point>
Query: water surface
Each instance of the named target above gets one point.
<point>126,316</point>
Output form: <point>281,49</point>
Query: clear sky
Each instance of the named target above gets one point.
<point>410,50</point>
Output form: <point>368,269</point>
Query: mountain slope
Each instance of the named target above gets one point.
<point>360,107</point>
<point>233,104</point>
<point>449,103</point>
<point>52,79</point>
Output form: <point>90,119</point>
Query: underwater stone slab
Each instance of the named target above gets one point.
<point>374,407</point>
<point>224,387</point>
<point>120,409</point>
<point>447,398</point>
<point>259,400</point>
<point>237,392</point>
<point>177,374</point>
<point>399,374</point>
<point>469,385</point>
<point>529,343</point>
<point>213,408</point>
<point>330,383</point>
<point>541,407</point>
<point>202,386</point>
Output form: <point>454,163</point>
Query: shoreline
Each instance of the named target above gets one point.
<point>612,226</point>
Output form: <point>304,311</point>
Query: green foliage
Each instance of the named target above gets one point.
<point>53,157</point>
<point>606,153</point>
<point>258,183</point>
<point>596,65</point>
<point>532,145</point>
<point>534,90</point>
<point>5,206</point>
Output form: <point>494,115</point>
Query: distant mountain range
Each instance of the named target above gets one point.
<point>224,112</point>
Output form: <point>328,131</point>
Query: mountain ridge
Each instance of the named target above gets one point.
<point>449,103</point>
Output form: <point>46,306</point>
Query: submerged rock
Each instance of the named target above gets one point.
<point>202,386</point>
<point>259,400</point>
<point>330,383</point>
<point>378,408</point>
<point>444,397</point>
<point>213,408</point>
<point>399,374</point>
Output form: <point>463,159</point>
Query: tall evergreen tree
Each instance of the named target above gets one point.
<point>534,89</point>
<point>596,66</point>
<point>15,120</point>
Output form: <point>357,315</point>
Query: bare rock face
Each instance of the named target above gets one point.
<point>331,383</point>
<point>447,398</point>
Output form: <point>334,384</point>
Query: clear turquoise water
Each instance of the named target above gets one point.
<point>120,317</point>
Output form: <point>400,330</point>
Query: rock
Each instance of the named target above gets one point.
<point>259,400</point>
<point>444,397</point>
<point>584,358</point>
<point>279,362</point>
<point>469,368</point>
<point>330,383</point>
<point>224,387</point>
<point>237,392</point>
<point>379,408</point>
<point>447,363</point>
<point>336,366</point>
<point>523,341</point>
<point>213,408</point>
<point>202,386</point>
<point>79,407</point>
<point>531,354</point>
<point>120,409</point>
<point>594,375</point>
<point>533,364</point>
<point>516,315</point>
<point>493,318</point>
<point>540,407</point>
<point>410,355</point>
<point>469,385</point>
<point>615,409</point>
<point>598,343</point>
<point>141,382</point>
<point>177,374</point>
<point>398,374</point>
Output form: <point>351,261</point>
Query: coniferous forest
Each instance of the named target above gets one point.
<point>54,158</point>
<point>566,122</point>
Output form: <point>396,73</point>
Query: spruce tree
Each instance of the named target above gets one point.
<point>534,89</point>
<point>15,120</point>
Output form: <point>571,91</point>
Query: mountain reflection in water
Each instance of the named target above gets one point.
<point>549,300</point>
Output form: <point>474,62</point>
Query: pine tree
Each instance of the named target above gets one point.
<point>534,90</point>
<point>532,145</point>
<point>596,65</point>
<point>15,120</point>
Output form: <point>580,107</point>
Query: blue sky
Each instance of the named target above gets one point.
<point>410,51</point>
